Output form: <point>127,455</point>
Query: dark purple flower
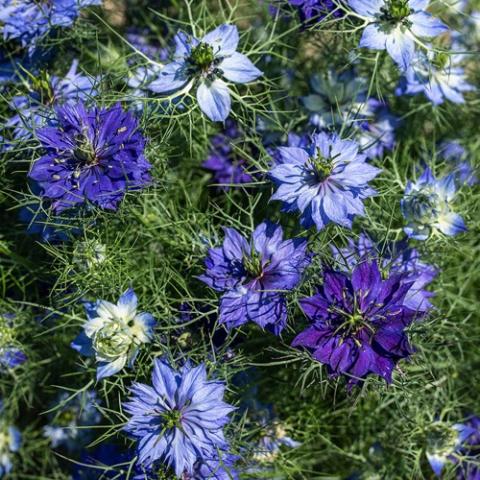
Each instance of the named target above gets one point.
<point>256,275</point>
<point>92,156</point>
<point>359,323</point>
<point>393,257</point>
<point>227,168</point>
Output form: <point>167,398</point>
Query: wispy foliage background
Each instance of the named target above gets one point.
<point>292,420</point>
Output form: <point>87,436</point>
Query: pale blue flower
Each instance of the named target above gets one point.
<point>438,76</point>
<point>10,442</point>
<point>394,25</point>
<point>207,62</point>
<point>427,207</point>
<point>179,419</point>
<point>326,182</point>
<point>114,333</point>
<point>443,440</point>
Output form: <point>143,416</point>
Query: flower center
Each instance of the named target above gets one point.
<point>84,152</point>
<point>253,265</point>
<point>321,167</point>
<point>424,207</point>
<point>441,438</point>
<point>395,12</point>
<point>202,57</point>
<point>440,60</point>
<point>112,341</point>
<point>66,417</point>
<point>172,419</point>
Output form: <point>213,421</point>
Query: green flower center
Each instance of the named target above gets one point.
<point>441,60</point>
<point>66,417</point>
<point>202,56</point>
<point>112,341</point>
<point>43,86</point>
<point>172,419</point>
<point>395,11</point>
<point>84,151</point>
<point>322,167</point>
<point>253,265</point>
<point>441,438</point>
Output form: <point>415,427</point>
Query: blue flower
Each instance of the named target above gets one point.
<point>35,110</point>
<point>457,158</point>
<point>10,442</point>
<point>427,207</point>
<point>11,356</point>
<point>92,156</point>
<point>393,25</point>
<point>206,61</point>
<point>327,182</point>
<point>114,333</point>
<point>376,133</point>
<point>443,440</point>
<point>336,98</point>
<point>437,76</point>
<point>28,21</point>
<point>65,425</point>
<point>180,418</point>
<point>255,276</point>
<point>393,257</point>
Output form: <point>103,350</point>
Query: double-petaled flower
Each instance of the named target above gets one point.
<point>114,333</point>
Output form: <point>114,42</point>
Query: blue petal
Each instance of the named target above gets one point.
<point>224,39</point>
<point>214,100</point>
<point>401,48</point>
<point>172,77</point>
<point>238,68</point>
<point>83,345</point>
<point>373,38</point>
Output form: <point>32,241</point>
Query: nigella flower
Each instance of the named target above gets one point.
<point>91,156</point>
<point>359,322</point>
<point>327,182</point>
<point>394,258</point>
<point>11,355</point>
<point>376,133</point>
<point>228,170</point>
<point>438,76</point>
<point>10,442</point>
<point>469,451</point>
<point>336,98</point>
<point>35,110</point>
<point>207,61</point>
<point>180,418</point>
<point>457,159</point>
<point>65,424</point>
<point>114,333</point>
<point>427,207</point>
<point>393,25</point>
<point>28,21</point>
<point>272,439</point>
<point>255,276</point>
<point>443,441</point>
